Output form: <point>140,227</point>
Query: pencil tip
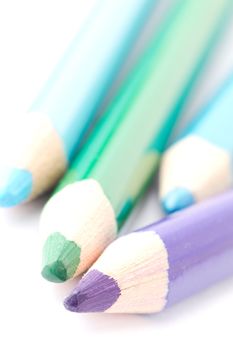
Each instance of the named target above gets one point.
<point>15,186</point>
<point>177,199</point>
<point>60,258</point>
<point>72,302</point>
<point>55,272</point>
<point>96,292</point>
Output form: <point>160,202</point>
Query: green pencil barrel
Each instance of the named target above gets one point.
<point>115,152</point>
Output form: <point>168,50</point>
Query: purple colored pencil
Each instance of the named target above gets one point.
<point>161,264</point>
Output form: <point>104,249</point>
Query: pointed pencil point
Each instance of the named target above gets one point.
<point>60,258</point>
<point>15,186</point>
<point>96,292</point>
<point>177,199</point>
<point>55,272</point>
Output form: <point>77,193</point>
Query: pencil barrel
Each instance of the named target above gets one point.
<point>79,83</point>
<point>139,120</point>
<point>199,244</point>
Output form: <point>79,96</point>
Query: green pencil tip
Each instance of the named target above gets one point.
<point>55,272</point>
<point>60,258</point>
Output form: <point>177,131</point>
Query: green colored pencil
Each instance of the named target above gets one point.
<point>109,176</point>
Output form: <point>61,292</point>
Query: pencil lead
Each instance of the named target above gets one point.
<point>15,186</point>
<point>61,263</point>
<point>55,272</point>
<point>177,199</point>
<point>96,292</point>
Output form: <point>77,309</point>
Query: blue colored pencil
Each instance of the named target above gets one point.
<point>199,164</point>
<point>58,119</point>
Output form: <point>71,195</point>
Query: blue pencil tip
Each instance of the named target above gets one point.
<point>15,186</point>
<point>177,199</point>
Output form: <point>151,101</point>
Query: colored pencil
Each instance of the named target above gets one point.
<point>82,218</point>
<point>161,264</point>
<point>199,164</point>
<point>65,108</point>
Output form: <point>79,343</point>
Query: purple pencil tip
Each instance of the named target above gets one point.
<point>72,302</point>
<point>96,292</point>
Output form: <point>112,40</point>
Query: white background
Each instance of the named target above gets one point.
<point>33,34</point>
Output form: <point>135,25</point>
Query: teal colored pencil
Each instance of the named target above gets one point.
<point>199,164</point>
<point>113,169</point>
<point>58,119</point>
